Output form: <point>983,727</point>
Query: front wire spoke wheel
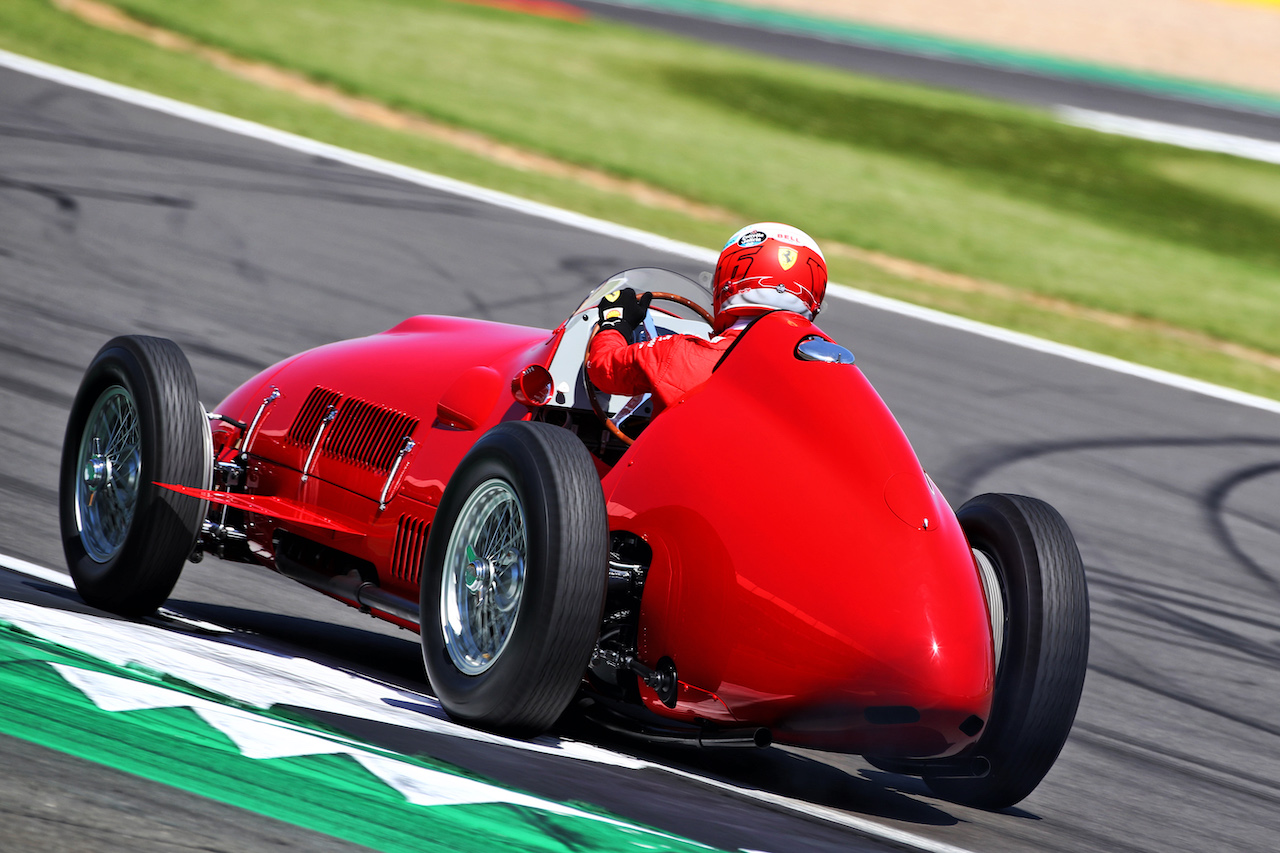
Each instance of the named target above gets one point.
<point>122,425</point>
<point>110,465</point>
<point>480,596</point>
<point>136,421</point>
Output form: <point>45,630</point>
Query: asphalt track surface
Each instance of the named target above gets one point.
<point>115,219</point>
<point>990,79</point>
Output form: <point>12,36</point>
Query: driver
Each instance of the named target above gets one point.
<point>764,267</point>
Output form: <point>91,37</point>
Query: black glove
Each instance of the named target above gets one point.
<point>623,312</point>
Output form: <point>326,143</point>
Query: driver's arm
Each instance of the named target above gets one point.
<point>617,367</point>
<point>613,365</point>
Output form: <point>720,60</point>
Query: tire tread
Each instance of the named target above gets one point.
<point>1034,708</point>
<point>564,487</point>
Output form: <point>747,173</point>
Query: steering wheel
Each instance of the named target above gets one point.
<point>594,394</point>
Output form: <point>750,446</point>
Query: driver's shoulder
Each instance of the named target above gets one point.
<point>683,341</point>
<point>724,338</point>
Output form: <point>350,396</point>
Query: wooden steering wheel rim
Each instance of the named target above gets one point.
<point>593,393</point>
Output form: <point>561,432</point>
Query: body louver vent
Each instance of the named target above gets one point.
<point>304,427</point>
<point>411,544</point>
<point>368,435</point>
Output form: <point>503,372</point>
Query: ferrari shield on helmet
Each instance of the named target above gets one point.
<point>765,267</point>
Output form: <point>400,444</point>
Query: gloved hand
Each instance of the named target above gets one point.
<point>623,312</point>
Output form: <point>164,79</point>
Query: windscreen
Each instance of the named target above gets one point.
<point>654,280</point>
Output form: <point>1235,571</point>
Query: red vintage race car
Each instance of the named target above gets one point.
<point>765,560</point>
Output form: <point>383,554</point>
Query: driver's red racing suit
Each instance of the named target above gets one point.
<point>667,366</point>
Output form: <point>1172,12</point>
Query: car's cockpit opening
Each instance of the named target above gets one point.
<point>681,306</point>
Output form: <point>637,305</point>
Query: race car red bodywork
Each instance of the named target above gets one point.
<point>798,571</point>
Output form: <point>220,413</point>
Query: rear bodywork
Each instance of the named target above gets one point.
<point>807,576</point>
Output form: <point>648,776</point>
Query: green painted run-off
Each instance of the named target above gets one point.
<point>332,794</point>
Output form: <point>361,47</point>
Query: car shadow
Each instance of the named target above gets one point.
<point>780,771</point>
<point>351,648</point>
<point>841,783</point>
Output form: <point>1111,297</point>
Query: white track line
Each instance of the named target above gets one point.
<point>1106,362</point>
<point>32,570</point>
<point>828,815</point>
<point>199,115</point>
<point>253,130</point>
<point>1171,134</point>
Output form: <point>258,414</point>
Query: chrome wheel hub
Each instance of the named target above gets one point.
<point>110,457</point>
<point>484,577</point>
<point>97,469</point>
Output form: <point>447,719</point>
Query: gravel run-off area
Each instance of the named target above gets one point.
<point>1231,42</point>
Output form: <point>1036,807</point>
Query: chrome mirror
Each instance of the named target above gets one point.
<point>814,348</point>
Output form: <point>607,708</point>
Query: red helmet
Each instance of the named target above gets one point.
<point>767,266</point>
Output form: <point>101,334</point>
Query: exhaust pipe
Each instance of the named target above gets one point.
<point>744,738</point>
<point>374,597</point>
<point>757,738</point>
<point>351,587</point>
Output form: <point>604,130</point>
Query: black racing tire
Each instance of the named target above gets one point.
<point>515,670</point>
<point>124,537</point>
<point>1045,653</point>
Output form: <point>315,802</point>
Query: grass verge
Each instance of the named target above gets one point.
<point>1175,241</point>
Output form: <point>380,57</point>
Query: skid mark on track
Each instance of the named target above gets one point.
<point>1183,697</point>
<point>67,197</point>
<point>1216,502</point>
<point>1205,770</point>
<point>1212,501</point>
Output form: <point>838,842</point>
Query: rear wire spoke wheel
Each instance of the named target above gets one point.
<point>136,421</point>
<point>484,578</point>
<point>1027,556</point>
<point>513,581</point>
